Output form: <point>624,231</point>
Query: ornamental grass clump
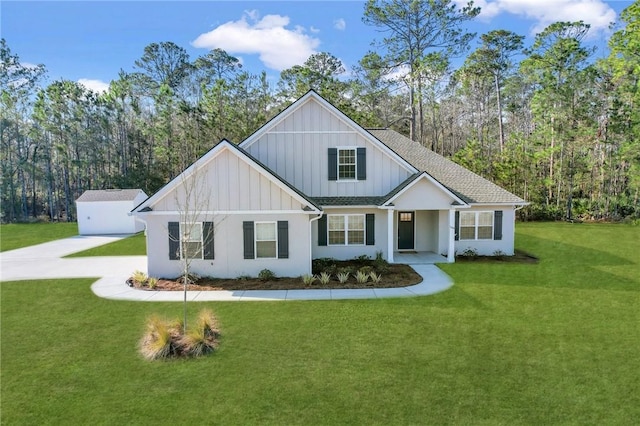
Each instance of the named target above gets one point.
<point>375,278</point>
<point>139,278</point>
<point>342,277</point>
<point>362,277</point>
<point>324,278</point>
<point>164,340</point>
<point>157,342</point>
<point>203,338</point>
<point>308,279</point>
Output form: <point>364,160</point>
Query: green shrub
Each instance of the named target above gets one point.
<point>470,252</point>
<point>322,263</point>
<point>366,269</point>
<point>266,275</point>
<point>380,264</point>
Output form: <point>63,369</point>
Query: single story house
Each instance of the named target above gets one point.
<point>312,183</point>
<point>107,211</point>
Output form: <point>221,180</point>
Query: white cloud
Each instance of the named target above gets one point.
<point>94,85</point>
<point>278,47</point>
<point>545,12</point>
<point>314,29</point>
<point>340,24</point>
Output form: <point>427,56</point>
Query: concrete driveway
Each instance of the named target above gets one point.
<point>44,261</point>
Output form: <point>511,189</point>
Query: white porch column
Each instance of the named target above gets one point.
<point>390,214</point>
<point>451,253</point>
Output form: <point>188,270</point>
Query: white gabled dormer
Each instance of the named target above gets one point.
<point>323,153</point>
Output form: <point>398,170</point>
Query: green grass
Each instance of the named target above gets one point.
<point>134,245</point>
<point>549,343</point>
<point>13,236</point>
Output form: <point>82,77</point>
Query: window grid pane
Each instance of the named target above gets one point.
<point>346,163</point>
<point>346,229</point>
<point>467,219</point>
<point>356,223</point>
<point>485,219</point>
<point>265,231</point>
<point>266,249</point>
<point>485,232</point>
<point>467,233</point>
<point>192,250</point>
<point>476,225</point>
<point>336,223</point>
<point>336,237</point>
<point>356,237</point>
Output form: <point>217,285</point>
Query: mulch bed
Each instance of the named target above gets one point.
<point>518,257</point>
<point>395,276</point>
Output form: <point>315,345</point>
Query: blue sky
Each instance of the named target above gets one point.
<point>90,41</point>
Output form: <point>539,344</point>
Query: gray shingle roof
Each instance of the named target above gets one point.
<point>467,185</point>
<point>109,195</point>
<point>348,201</point>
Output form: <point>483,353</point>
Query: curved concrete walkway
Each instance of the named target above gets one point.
<point>43,261</point>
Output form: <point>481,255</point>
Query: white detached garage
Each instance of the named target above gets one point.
<point>106,211</point>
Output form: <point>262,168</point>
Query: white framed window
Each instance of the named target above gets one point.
<point>476,226</point>
<point>266,239</point>
<point>191,238</point>
<point>347,163</point>
<point>346,229</point>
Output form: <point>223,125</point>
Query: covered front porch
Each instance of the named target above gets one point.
<point>421,222</point>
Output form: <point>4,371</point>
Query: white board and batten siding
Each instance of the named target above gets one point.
<point>229,261</point>
<point>229,183</point>
<point>296,149</point>
<point>228,186</point>
<point>103,212</point>
<point>490,246</point>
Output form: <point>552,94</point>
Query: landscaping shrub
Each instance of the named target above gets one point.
<point>342,277</point>
<point>266,275</point>
<point>163,340</point>
<point>362,276</point>
<point>139,278</point>
<point>308,279</point>
<point>324,278</point>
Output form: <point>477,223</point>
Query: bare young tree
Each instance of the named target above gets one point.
<point>192,237</point>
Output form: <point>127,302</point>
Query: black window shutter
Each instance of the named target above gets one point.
<point>207,240</point>
<point>283,239</point>
<point>457,226</point>
<point>174,240</point>
<point>370,220</point>
<point>497,225</point>
<point>361,162</point>
<point>322,230</point>
<point>333,163</point>
<point>247,228</point>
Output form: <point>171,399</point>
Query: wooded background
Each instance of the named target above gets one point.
<point>548,122</point>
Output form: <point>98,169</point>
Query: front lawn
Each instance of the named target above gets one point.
<point>135,245</point>
<point>18,235</point>
<point>550,343</point>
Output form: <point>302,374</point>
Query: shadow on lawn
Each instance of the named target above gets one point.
<point>561,265</point>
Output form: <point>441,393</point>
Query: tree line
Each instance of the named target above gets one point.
<point>545,121</point>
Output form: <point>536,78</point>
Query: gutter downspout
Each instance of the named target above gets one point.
<point>311,241</point>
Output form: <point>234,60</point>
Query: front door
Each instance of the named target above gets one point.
<point>406,230</point>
